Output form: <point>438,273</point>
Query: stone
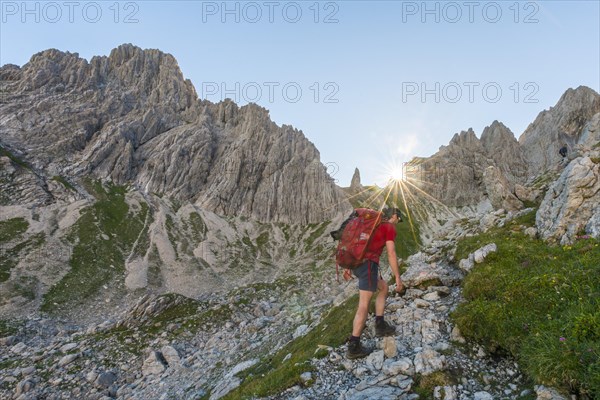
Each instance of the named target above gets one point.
<point>481,352</point>
<point>171,356</point>
<point>375,360</point>
<point>433,296</point>
<point>421,273</point>
<point>306,377</point>
<point>528,194</point>
<point>445,393</point>
<point>487,221</point>
<point>482,396</point>
<point>531,232</point>
<point>300,331</point>
<point>91,376</point>
<point>154,364</point>
<point>68,347</point>
<point>375,392</point>
<point>390,349</point>
<point>443,291</point>
<point>7,341</point>
<point>28,370</point>
<point>428,361</point>
<point>18,348</point>
<point>480,254</point>
<point>466,264</point>
<point>105,379</point>
<point>24,386</point>
<point>243,366</point>
<point>403,366</point>
<point>450,393</point>
<point>420,303</point>
<point>546,393</point>
<point>68,359</point>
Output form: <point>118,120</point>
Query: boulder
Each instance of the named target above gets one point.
<point>154,364</point>
<point>572,203</point>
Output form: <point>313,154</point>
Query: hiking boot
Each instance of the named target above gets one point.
<point>356,350</point>
<point>384,329</point>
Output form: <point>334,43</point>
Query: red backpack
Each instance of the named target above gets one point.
<point>356,236</point>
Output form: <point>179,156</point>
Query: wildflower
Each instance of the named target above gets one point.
<point>562,339</point>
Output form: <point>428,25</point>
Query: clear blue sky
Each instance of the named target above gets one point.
<point>376,66</point>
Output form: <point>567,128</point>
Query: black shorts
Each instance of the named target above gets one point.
<point>367,274</point>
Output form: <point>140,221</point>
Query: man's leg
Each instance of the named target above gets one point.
<point>381,296</point>
<point>355,349</point>
<point>361,312</point>
<point>367,285</point>
<point>382,328</point>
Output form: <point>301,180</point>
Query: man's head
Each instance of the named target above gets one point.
<point>390,212</point>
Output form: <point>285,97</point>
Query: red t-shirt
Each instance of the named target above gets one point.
<point>382,234</point>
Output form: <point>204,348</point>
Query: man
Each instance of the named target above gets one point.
<point>563,151</point>
<point>370,280</point>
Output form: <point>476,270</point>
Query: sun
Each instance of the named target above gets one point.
<point>397,174</point>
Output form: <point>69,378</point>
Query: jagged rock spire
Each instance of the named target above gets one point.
<point>355,182</point>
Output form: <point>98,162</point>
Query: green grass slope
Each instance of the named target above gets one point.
<point>537,302</point>
<point>102,237</point>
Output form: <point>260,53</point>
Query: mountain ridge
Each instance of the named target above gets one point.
<point>127,110</point>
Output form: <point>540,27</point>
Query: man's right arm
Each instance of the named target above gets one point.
<point>393,259</point>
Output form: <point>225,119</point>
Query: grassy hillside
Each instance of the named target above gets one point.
<point>539,303</point>
<point>102,237</point>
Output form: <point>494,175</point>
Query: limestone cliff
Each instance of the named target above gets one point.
<point>560,125</point>
<point>132,118</point>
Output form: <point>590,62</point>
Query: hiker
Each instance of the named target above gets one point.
<point>370,280</point>
<point>563,151</point>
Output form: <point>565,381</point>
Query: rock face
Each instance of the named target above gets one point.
<point>132,118</point>
<point>572,204</point>
<point>456,173</point>
<point>502,147</point>
<point>561,124</point>
<point>498,190</point>
<point>507,173</point>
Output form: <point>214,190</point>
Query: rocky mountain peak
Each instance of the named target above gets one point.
<point>557,126</point>
<point>464,138</point>
<point>501,146</point>
<point>132,118</point>
<point>497,132</point>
